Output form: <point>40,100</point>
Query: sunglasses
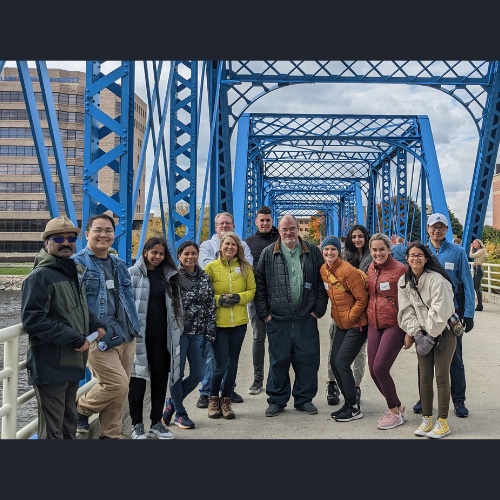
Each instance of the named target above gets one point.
<point>60,239</point>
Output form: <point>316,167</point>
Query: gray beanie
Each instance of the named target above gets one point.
<point>331,240</point>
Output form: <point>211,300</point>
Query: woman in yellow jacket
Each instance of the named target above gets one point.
<point>234,287</point>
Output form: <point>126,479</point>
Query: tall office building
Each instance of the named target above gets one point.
<point>23,204</point>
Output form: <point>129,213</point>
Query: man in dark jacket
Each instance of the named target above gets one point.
<point>265,235</point>
<point>290,298</point>
<point>55,316</point>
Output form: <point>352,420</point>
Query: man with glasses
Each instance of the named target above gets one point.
<point>209,251</point>
<point>106,277</point>
<point>55,316</point>
<point>290,298</point>
<point>454,259</point>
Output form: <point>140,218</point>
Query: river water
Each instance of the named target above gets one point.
<point>10,314</point>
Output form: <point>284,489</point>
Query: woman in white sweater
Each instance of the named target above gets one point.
<point>425,299</point>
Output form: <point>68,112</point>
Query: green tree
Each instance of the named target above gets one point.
<point>456,227</point>
<point>490,234</point>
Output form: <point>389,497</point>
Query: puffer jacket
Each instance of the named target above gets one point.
<point>382,309</point>
<point>433,313</point>
<point>55,316</point>
<point>140,287</point>
<point>258,241</point>
<point>348,309</point>
<point>227,278</point>
<point>273,295</point>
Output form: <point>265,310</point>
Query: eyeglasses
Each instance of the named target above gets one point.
<point>224,223</point>
<point>416,256</point>
<point>437,228</point>
<point>60,239</point>
<point>99,230</point>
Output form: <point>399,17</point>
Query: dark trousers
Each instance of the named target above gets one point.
<point>57,416</point>
<point>159,368</point>
<point>478,276</point>
<point>293,342</point>
<point>259,343</point>
<point>227,348</point>
<point>345,348</point>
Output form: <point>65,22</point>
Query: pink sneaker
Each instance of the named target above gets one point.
<point>384,416</point>
<point>403,413</point>
<point>390,420</point>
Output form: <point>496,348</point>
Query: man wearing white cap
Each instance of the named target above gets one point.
<point>55,316</point>
<point>454,259</point>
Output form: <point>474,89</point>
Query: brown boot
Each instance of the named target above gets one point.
<point>214,407</point>
<point>225,407</point>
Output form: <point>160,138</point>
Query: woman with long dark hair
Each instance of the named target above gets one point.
<point>425,297</point>
<point>157,295</point>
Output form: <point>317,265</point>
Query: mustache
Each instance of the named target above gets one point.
<point>64,247</point>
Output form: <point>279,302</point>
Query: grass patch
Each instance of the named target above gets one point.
<point>14,271</point>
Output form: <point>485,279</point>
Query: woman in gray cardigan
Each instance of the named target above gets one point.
<point>159,307</point>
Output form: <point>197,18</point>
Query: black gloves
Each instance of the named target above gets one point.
<point>468,324</point>
<point>423,343</point>
<point>229,299</point>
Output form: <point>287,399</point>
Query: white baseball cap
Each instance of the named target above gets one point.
<point>437,218</point>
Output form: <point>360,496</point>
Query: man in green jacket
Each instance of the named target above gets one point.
<point>55,316</point>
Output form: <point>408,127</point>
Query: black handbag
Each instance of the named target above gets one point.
<point>114,335</point>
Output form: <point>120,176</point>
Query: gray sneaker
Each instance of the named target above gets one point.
<point>159,431</point>
<point>138,432</point>
<point>256,387</point>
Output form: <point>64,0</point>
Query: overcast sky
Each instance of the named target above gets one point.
<point>455,135</point>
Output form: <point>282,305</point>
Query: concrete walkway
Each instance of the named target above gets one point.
<point>481,349</point>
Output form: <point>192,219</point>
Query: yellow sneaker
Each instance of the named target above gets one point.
<point>440,429</point>
<point>424,427</point>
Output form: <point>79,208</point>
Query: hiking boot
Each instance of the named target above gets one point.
<point>159,431</point>
<point>138,432</point>
<point>236,398</point>
<point>440,429</point>
<point>332,393</point>
<point>418,407</point>
<point>460,409</point>
<point>82,426</point>
<point>225,408</point>
<point>168,412</point>
<point>308,408</point>
<point>390,420</point>
<point>203,401</point>
<point>424,427</point>
<point>358,395</point>
<point>273,409</point>
<point>214,407</point>
<point>256,387</point>
<point>350,413</point>
<point>183,421</point>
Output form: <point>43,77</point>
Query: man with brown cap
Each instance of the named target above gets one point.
<point>55,316</point>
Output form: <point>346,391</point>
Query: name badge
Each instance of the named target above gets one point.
<point>449,265</point>
<point>307,285</point>
<point>325,285</point>
<point>237,270</point>
<point>110,284</point>
<point>385,286</point>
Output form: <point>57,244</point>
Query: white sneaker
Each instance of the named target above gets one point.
<point>138,432</point>
<point>159,431</point>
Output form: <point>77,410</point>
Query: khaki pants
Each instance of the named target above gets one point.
<point>108,397</point>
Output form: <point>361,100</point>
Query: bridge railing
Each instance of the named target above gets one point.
<point>12,403</point>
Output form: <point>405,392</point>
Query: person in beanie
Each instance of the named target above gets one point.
<point>55,316</point>
<point>349,298</point>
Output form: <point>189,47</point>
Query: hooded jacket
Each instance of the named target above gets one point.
<point>55,316</point>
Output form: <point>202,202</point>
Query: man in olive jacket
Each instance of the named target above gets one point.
<point>290,298</point>
<point>55,316</point>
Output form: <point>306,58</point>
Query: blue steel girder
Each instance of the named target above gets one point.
<point>119,158</point>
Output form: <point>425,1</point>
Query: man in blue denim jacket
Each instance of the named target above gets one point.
<point>112,366</point>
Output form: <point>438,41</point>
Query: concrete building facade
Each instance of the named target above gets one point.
<point>23,203</point>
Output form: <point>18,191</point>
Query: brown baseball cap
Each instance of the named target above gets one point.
<point>60,225</point>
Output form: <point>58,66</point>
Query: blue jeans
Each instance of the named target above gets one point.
<point>293,342</point>
<point>209,370</point>
<point>259,343</point>
<point>226,349</point>
<point>192,347</point>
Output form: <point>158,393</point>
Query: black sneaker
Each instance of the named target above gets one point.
<point>273,409</point>
<point>339,411</point>
<point>236,398</point>
<point>418,407</point>
<point>308,408</point>
<point>460,409</point>
<point>358,395</point>
<point>332,393</point>
<point>203,401</point>
<point>82,426</point>
<point>350,413</point>
<point>256,387</point>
